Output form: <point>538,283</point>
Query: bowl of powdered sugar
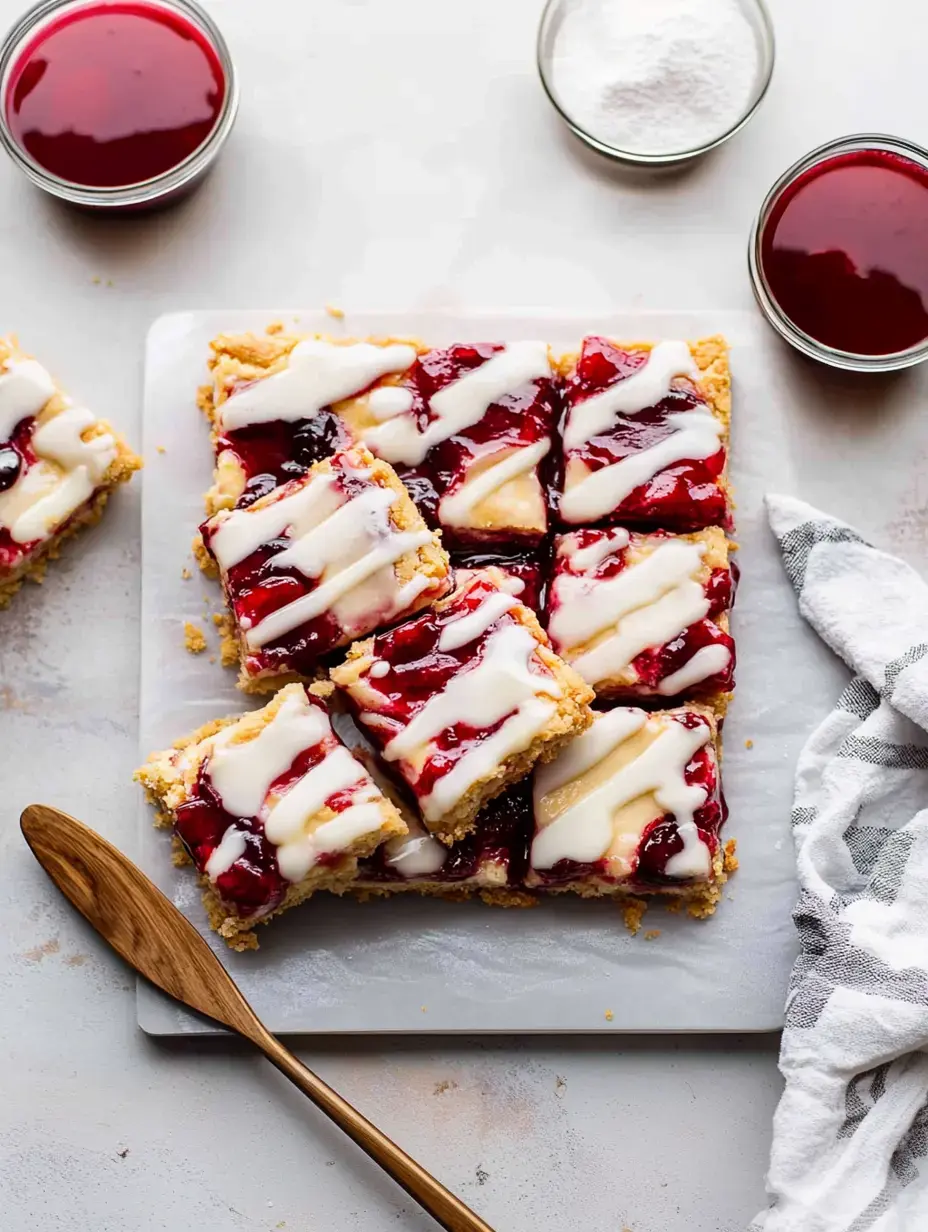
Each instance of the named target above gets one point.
<point>655,82</point>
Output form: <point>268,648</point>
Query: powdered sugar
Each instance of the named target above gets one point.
<point>655,76</point>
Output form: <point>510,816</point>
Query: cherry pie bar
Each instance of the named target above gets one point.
<point>645,434</point>
<point>470,430</point>
<point>633,805</point>
<point>644,615</point>
<point>490,861</point>
<point>463,700</point>
<point>270,806</point>
<point>322,560</point>
<point>58,465</point>
<point>272,404</point>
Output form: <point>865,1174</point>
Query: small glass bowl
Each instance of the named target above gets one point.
<point>170,185</point>
<point>551,20</point>
<point>848,360</point>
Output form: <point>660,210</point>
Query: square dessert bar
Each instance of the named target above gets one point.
<point>633,805</point>
<point>644,615</point>
<point>270,806</point>
<point>272,404</point>
<point>464,700</point>
<point>58,465</point>
<point>490,861</point>
<point>320,561</point>
<point>645,434</point>
<point>470,431</point>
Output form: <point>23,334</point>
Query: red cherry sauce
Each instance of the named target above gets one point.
<point>253,886</point>
<point>501,836</point>
<point>658,662</point>
<point>259,585</point>
<point>16,456</point>
<point>107,95</point>
<point>417,671</point>
<point>845,254</point>
<point>526,568</point>
<point>685,496</point>
<point>661,839</point>
<point>521,418</point>
<point>276,452</point>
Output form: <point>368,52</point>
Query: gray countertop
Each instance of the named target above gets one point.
<point>387,156</point>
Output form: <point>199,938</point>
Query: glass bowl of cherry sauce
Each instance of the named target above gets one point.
<point>839,254</point>
<point>116,104</point>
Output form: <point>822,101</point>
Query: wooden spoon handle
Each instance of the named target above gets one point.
<point>440,1203</point>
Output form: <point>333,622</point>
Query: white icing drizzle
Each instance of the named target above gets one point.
<point>644,388</point>
<point>585,830</point>
<point>231,848</point>
<point>317,374</point>
<point>585,560</point>
<point>460,405</point>
<point>348,543</point>
<point>457,508</point>
<point>242,773</point>
<point>379,668</point>
<point>386,401</point>
<point>696,436</point>
<point>44,495</point>
<point>25,387</point>
<point>707,661</point>
<point>416,854</point>
<point>501,683</point>
<point>648,604</point>
<point>508,581</point>
<point>471,625</point>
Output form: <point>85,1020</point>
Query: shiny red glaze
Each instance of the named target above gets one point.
<point>273,453</point>
<point>253,885</point>
<point>527,568</point>
<point>521,418</point>
<point>418,670</point>
<point>658,662</point>
<point>16,456</point>
<point>501,836</point>
<point>661,839</point>
<point>108,95</point>
<point>683,497</point>
<point>259,585</point>
<point>844,255</point>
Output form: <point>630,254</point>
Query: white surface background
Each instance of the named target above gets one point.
<point>389,155</point>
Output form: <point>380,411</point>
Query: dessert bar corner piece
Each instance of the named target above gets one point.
<point>273,404</point>
<point>58,465</point>
<point>470,430</point>
<point>464,700</point>
<point>633,805</point>
<point>645,615</point>
<point>645,435</point>
<point>271,807</point>
<point>320,561</point>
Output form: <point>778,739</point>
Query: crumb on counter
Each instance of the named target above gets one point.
<point>632,912</point>
<point>219,619</point>
<point>161,448</point>
<point>424,1009</point>
<point>186,574</point>
<point>333,311</point>
<point>730,860</point>
<point>95,281</point>
<point>609,1015</point>
<point>194,638</point>
<point>652,934</point>
<point>749,744</point>
<point>275,327</point>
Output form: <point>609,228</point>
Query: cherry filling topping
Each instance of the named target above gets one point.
<point>527,568</point>
<point>418,671</point>
<point>686,495</point>
<point>253,885</point>
<point>16,456</point>
<point>272,453</point>
<point>259,585</point>
<point>520,418</point>
<point>661,838</point>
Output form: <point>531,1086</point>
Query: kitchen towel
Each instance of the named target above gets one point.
<point>850,1137</point>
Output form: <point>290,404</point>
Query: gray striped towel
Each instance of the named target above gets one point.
<point>850,1140</point>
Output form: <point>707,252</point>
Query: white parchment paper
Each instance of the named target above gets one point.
<point>411,964</point>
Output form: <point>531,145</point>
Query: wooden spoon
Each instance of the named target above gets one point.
<point>151,935</point>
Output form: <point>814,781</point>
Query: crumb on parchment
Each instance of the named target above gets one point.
<point>749,744</point>
<point>161,448</point>
<point>652,934</point>
<point>337,313</point>
<point>219,619</point>
<point>194,638</point>
<point>730,860</point>
<point>632,913</point>
<point>186,574</point>
<point>609,1015</point>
